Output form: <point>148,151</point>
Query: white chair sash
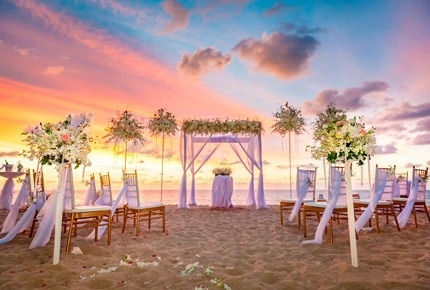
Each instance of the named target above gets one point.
<point>336,180</point>
<point>381,181</point>
<point>302,190</point>
<point>91,195</point>
<point>403,216</point>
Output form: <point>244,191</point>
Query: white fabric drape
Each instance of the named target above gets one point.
<point>248,150</point>
<point>222,190</point>
<point>6,194</point>
<point>302,190</point>
<point>403,216</point>
<point>10,226</point>
<point>47,215</point>
<point>22,197</point>
<point>380,183</point>
<point>103,225</point>
<point>91,195</point>
<point>335,180</point>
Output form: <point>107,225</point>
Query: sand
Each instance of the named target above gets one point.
<point>240,248</point>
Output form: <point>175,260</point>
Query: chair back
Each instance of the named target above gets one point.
<point>132,193</point>
<point>337,185</point>
<point>69,193</point>
<point>420,176</point>
<point>38,181</point>
<point>306,178</point>
<point>332,186</point>
<point>388,191</point>
<point>403,185</point>
<point>106,191</point>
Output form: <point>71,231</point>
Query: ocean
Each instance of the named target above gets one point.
<point>203,197</point>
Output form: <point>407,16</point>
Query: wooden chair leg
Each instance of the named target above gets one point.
<point>377,220</point>
<point>395,218</point>
<point>164,220</point>
<point>125,219</point>
<point>33,224</point>
<point>304,223</point>
<point>281,215</point>
<point>69,236</point>
<point>331,230</point>
<point>109,230</point>
<point>427,212</point>
<point>137,223</point>
<point>415,217</point>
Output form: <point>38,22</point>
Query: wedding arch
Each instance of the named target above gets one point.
<point>243,136</point>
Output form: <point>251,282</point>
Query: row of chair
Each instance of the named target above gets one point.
<point>102,211</point>
<point>104,208</point>
<point>306,204</point>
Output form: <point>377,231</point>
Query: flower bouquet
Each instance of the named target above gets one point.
<point>124,128</point>
<point>221,171</point>
<point>64,142</point>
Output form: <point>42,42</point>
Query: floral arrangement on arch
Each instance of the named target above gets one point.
<point>125,127</point>
<point>216,126</point>
<point>66,141</point>
<point>289,119</point>
<point>221,171</point>
<point>163,122</point>
<point>342,139</point>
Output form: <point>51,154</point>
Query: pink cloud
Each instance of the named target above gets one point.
<point>350,99</point>
<point>202,61</point>
<point>54,70</point>
<point>180,16</point>
<point>386,149</point>
<point>284,55</point>
<point>118,7</point>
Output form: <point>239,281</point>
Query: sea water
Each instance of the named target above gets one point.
<point>203,197</point>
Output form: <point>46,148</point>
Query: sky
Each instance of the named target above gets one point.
<point>235,59</point>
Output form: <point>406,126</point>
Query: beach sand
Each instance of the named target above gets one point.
<point>242,247</point>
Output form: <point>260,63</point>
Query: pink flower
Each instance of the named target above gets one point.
<point>363,132</point>
<point>65,137</point>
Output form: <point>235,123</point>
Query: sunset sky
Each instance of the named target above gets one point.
<point>233,59</point>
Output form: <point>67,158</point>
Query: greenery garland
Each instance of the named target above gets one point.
<point>216,126</point>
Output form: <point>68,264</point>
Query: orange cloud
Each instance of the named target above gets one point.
<point>202,61</point>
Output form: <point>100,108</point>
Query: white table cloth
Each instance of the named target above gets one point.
<point>222,191</point>
<point>6,195</point>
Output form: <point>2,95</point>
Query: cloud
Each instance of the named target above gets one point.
<point>9,154</point>
<point>406,111</point>
<point>203,61</point>
<point>410,165</point>
<point>308,166</point>
<point>422,125</point>
<point>387,128</point>
<point>279,8</point>
<point>284,55</point>
<point>386,149</point>
<point>54,70</point>
<point>118,7</point>
<point>180,16</point>
<point>22,51</point>
<point>300,30</point>
<point>422,139</point>
<point>350,99</point>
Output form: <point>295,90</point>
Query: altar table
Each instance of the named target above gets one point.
<point>222,190</point>
<point>7,191</point>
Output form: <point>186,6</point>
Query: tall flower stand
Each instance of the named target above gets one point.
<point>351,218</point>
<point>65,170</point>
